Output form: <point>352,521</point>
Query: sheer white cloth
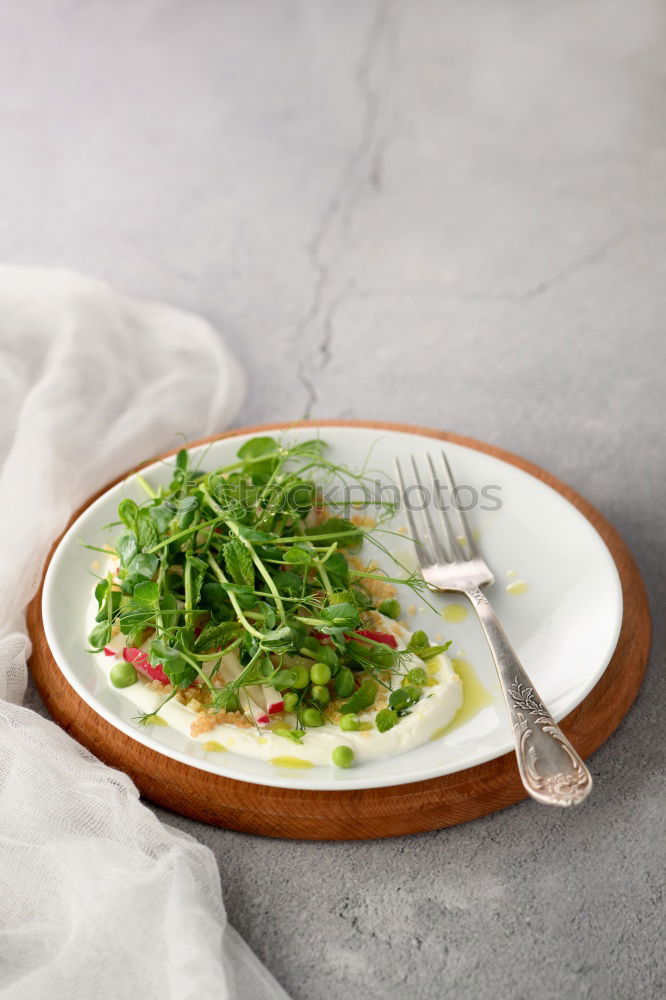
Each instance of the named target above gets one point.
<point>97,897</point>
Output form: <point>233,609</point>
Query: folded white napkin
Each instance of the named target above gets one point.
<point>97,897</point>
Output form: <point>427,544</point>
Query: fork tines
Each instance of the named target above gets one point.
<point>458,544</point>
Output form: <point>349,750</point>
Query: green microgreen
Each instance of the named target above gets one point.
<point>239,578</point>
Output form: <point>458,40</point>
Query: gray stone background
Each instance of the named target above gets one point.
<point>436,212</point>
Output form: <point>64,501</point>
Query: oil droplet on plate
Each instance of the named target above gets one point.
<point>156,720</point>
<point>294,762</point>
<point>512,572</point>
<point>212,746</point>
<point>475,696</point>
<point>453,613</point>
<point>517,587</point>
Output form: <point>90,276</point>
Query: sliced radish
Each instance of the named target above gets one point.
<point>140,661</point>
<point>273,698</point>
<point>109,652</point>
<point>263,720</point>
<point>385,637</point>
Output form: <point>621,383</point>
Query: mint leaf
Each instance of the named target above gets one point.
<point>363,698</point>
<point>386,719</point>
<point>239,563</point>
<point>222,635</point>
<point>146,529</point>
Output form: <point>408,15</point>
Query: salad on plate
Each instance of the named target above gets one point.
<point>247,608</point>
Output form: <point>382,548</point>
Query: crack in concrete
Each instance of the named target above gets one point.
<point>324,349</point>
<point>532,292</point>
<point>593,257</point>
<point>340,207</point>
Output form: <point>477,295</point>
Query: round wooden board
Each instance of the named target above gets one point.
<point>364,813</point>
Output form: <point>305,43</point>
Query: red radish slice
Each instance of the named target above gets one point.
<point>109,652</point>
<point>385,637</point>
<point>140,660</point>
<point>263,720</point>
<point>273,699</point>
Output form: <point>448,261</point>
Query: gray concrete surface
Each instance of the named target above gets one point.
<point>433,212</point>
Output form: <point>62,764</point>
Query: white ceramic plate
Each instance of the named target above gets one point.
<point>564,624</point>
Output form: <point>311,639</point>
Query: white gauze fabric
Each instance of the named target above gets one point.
<point>97,897</point>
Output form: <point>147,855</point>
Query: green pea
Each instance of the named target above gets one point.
<point>412,690</point>
<point>343,757</point>
<point>350,723</point>
<point>417,675</point>
<point>399,699</point>
<point>291,700</point>
<point>292,677</point>
<point>320,674</point>
<point>344,682</point>
<point>301,677</point>
<point>122,674</point>
<point>312,717</point>
<point>321,694</point>
<point>391,608</point>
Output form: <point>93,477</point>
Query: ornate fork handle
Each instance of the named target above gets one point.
<point>551,770</point>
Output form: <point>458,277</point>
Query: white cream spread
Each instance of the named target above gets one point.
<point>437,707</point>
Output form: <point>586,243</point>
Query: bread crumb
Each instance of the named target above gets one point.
<point>205,721</point>
<point>202,724</point>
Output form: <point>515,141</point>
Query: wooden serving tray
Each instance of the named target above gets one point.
<point>363,813</point>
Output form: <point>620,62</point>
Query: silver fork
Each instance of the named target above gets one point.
<point>550,769</point>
